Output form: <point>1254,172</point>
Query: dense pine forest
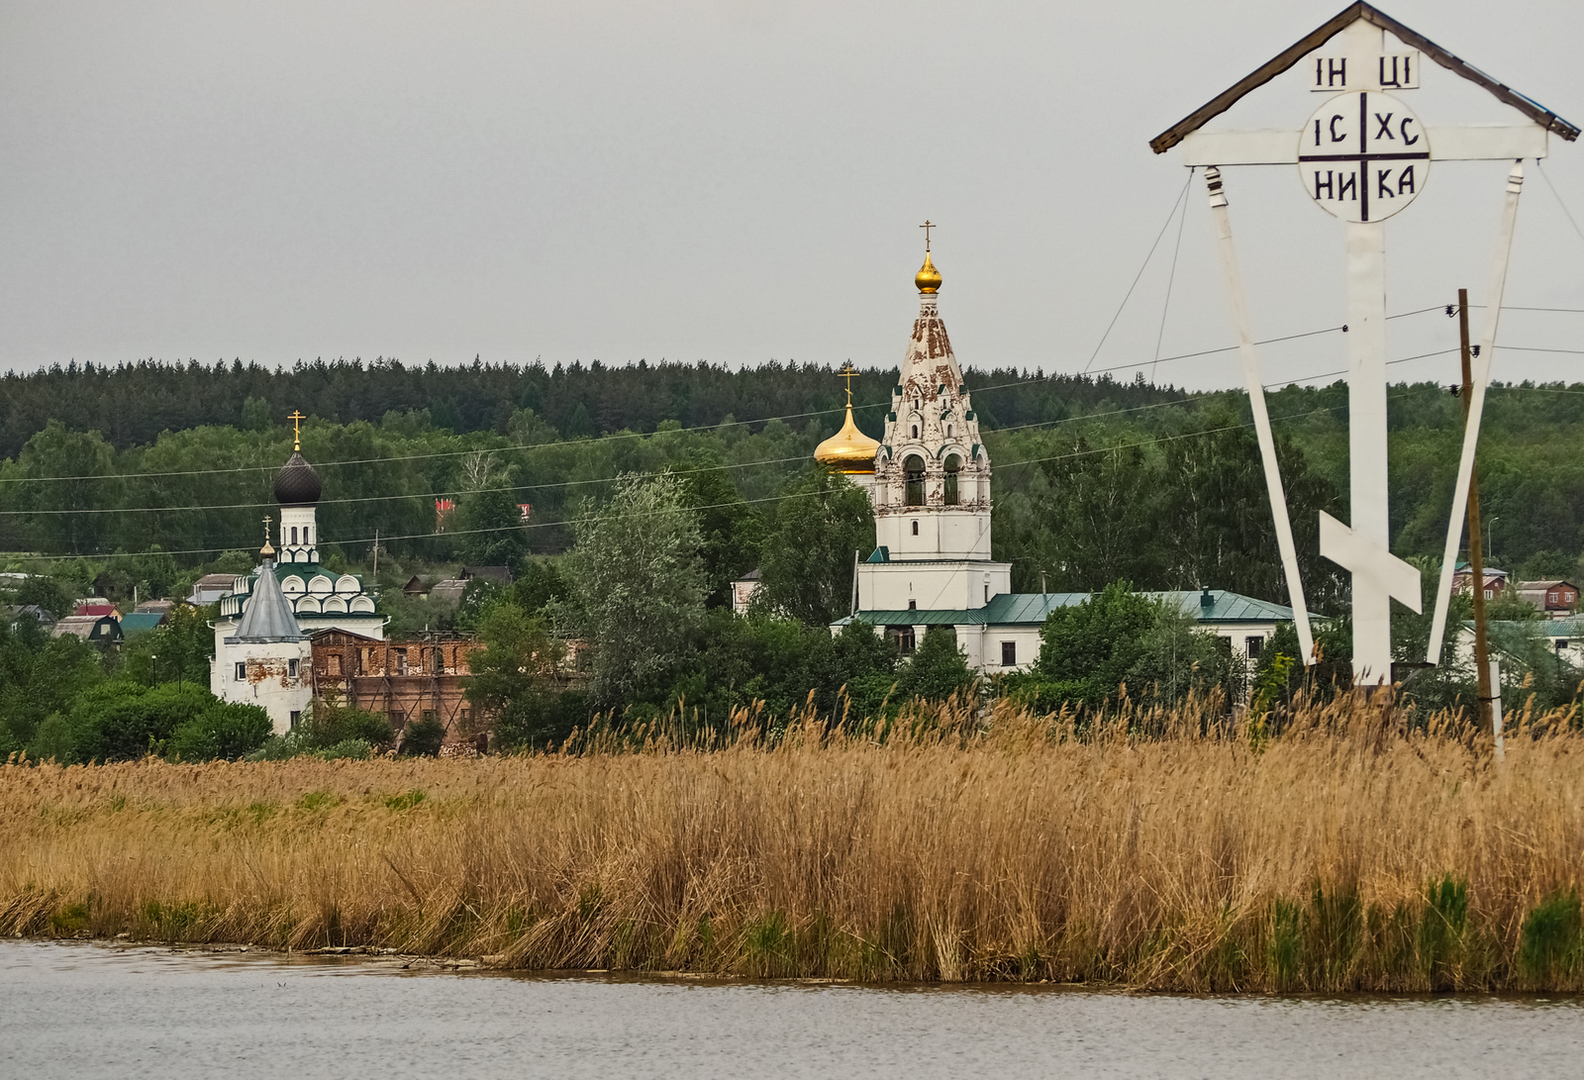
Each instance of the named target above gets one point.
<point>1096,480</point>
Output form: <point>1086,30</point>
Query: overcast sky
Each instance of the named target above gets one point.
<point>717,180</point>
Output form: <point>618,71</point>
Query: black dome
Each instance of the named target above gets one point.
<point>297,483</point>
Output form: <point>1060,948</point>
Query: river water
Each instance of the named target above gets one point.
<point>89,1010</point>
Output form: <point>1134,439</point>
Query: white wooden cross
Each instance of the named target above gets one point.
<point>1363,156</point>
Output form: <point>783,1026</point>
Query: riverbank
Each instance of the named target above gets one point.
<point>1350,854</point>
<point>83,1011</point>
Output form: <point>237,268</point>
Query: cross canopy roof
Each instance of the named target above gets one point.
<point>1329,29</point>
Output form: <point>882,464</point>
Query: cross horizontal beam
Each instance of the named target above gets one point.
<point>1507,142</point>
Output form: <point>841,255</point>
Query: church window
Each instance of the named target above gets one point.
<point>291,669</point>
<point>241,671</point>
<point>953,467</point>
<point>912,605</point>
<point>915,431</point>
<point>1253,645</point>
<point>1009,654</point>
<point>296,715</point>
<point>903,636</point>
<point>915,528</point>
<point>913,471</point>
<point>294,534</point>
<point>948,431</point>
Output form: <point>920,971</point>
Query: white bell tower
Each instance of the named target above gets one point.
<point>931,481</point>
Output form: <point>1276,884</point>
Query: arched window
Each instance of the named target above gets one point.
<point>915,528</point>
<point>915,431</point>
<point>953,467</point>
<point>913,469</point>
<point>294,534</point>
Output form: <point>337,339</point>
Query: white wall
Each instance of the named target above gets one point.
<point>267,679</point>
<point>889,586</point>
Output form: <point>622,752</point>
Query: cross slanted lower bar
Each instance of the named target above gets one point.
<point>1362,157</point>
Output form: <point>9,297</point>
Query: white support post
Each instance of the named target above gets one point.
<point>1366,276</point>
<point>1496,716</point>
<point>1256,390</point>
<point>1481,377</point>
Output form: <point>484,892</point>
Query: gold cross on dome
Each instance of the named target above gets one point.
<point>296,418</point>
<point>849,373</point>
<point>927,226</point>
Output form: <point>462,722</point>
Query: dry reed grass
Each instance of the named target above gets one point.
<point>1196,858</point>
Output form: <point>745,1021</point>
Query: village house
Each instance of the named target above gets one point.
<point>1553,598</point>
<point>1463,581</point>
<point>210,589</point>
<point>99,629</point>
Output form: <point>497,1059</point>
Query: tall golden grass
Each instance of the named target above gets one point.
<point>1356,851</point>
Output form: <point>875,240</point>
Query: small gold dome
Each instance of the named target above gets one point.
<point>928,278</point>
<point>849,450</point>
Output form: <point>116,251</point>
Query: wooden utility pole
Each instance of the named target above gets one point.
<point>1476,555</point>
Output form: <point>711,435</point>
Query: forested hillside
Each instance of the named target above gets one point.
<point>1095,480</point>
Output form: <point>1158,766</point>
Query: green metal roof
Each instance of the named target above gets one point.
<point>1031,609</point>
<point>140,622</point>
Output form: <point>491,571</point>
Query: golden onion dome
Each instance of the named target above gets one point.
<point>928,279</point>
<point>849,450</point>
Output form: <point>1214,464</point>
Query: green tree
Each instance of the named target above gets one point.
<point>177,652</point>
<point>256,414</point>
<point>423,737</point>
<point>538,582</point>
<point>937,669</point>
<point>47,592</point>
<point>121,721</point>
<point>806,559</point>
<point>490,528</point>
<point>867,662</point>
<point>1177,658</point>
<point>227,730</point>
<point>39,676</point>
<point>635,586</point>
<point>730,531</point>
<point>513,677</point>
<point>70,483</point>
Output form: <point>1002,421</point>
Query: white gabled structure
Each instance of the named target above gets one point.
<point>265,658</point>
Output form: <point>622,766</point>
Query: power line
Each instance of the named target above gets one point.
<point>660,472</point>
<point>606,439</point>
<point>1152,441</point>
<point>1145,266</point>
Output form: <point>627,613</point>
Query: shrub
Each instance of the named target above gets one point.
<point>328,723</point>
<point>228,730</point>
<point>348,749</point>
<point>1553,937</point>
<point>121,721</point>
<point>423,738</point>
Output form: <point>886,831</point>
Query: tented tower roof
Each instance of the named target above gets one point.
<point>268,616</point>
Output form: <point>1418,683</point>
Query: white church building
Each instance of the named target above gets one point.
<point>262,655</point>
<point>929,480</point>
